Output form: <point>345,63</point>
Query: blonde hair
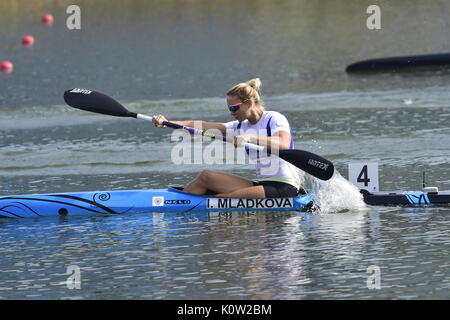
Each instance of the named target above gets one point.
<point>248,90</point>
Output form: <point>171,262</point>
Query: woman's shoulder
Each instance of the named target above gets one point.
<point>275,114</point>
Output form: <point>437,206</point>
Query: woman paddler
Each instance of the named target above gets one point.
<point>255,125</point>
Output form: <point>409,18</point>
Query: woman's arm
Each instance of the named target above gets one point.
<point>197,124</point>
<point>281,140</point>
<point>203,125</point>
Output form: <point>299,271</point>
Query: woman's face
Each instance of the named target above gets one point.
<point>238,108</point>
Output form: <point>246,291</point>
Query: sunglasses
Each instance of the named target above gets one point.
<point>235,107</point>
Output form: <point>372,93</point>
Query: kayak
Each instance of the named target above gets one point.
<point>406,198</point>
<point>393,64</point>
<point>132,201</point>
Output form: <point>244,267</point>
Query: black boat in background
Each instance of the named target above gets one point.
<point>404,63</point>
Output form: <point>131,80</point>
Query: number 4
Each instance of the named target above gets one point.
<point>363,176</point>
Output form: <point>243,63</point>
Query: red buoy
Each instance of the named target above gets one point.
<point>28,41</point>
<point>6,67</point>
<point>47,19</point>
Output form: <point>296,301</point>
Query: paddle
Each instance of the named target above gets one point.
<point>97,102</point>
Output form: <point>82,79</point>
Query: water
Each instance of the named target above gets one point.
<point>178,58</point>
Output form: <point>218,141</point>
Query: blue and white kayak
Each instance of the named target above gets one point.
<point>131,201</point>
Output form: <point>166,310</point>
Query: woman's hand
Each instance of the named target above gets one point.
<point>242,139</point>
<point>158,120</point>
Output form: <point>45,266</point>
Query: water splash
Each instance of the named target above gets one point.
<point>335,195</point>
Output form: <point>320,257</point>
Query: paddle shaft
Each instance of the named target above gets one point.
<point>194,130</point>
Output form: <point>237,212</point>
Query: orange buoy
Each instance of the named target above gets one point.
<point>6,67</point>
<point>28,41</point>
<point>47,19</point>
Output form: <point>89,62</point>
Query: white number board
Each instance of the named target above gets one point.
<point>364,175</point>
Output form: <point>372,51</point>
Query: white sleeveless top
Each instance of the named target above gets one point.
<point>268,167</point>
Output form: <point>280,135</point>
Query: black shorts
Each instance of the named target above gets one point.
<point>275,189</point>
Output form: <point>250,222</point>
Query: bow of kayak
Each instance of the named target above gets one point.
<point>407,198</point>
<point>131,201</point>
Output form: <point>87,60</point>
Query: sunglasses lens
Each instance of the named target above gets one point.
<point>235,107</point>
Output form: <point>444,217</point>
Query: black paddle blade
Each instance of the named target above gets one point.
<point>93,101</point>
<point>309,162</point>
